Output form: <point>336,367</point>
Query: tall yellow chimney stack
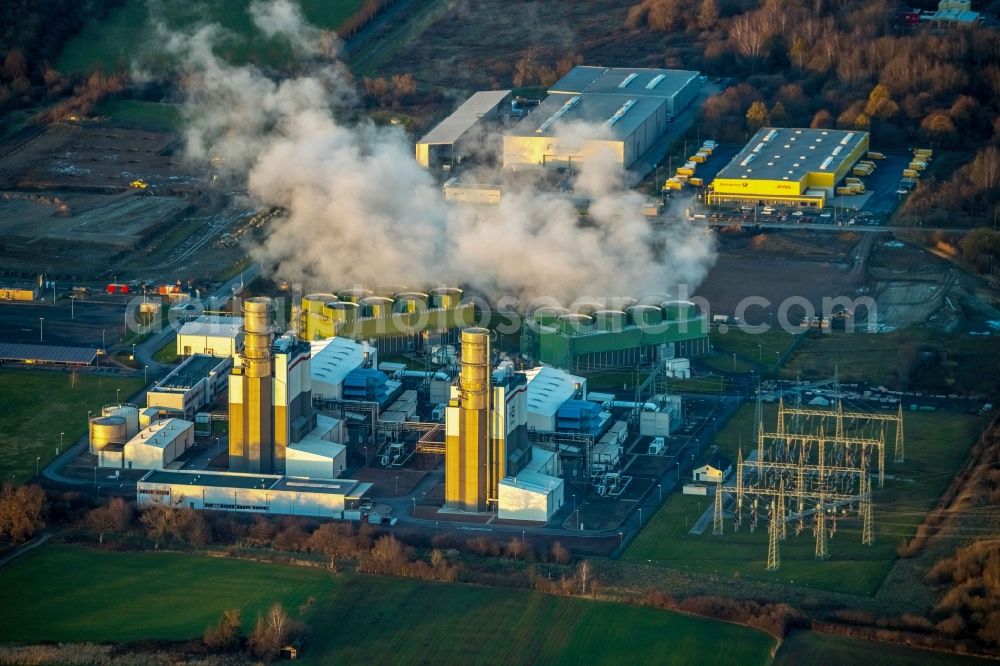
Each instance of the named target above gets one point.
<point>251,388</point>
<point>471,466</point>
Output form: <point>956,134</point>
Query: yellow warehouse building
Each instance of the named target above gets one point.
<point>789,167</point>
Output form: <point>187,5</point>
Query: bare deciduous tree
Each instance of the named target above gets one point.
<point>750,32</point>
<point>584,573</point>
<point>113,516</point>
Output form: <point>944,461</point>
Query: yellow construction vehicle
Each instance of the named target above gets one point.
<point>139,184</point>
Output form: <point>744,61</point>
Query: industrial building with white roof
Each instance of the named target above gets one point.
<point>600,112</point>
<point>212,335</point>
<point>548,389</point>
<point>442,147</point>
<point>789,167</point>
<point>253,493</point>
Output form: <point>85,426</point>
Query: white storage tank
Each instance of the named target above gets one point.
<point>127,411</point>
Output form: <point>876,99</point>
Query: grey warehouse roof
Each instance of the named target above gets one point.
<point>47,354</point>
<point>465,117</point>
<point>623,81</point>
<point>789,154</point>
<point>590,109</point>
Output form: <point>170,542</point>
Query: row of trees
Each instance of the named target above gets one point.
<point>438,557</point>
<point>969,192</point>
<point>854,62</point>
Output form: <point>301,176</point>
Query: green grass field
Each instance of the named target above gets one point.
<point>69,593</point>
<point>969,364</point>
<point>936,446</point>
<point>807,647</point>
<point>727,363</point>
<point>762,348</point>
<point>39,404</point>
<point>114,43</point>
<point>141,114</point>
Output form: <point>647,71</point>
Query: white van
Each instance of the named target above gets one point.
<point>657,446</point>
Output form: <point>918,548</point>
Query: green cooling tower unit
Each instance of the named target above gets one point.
<point>608,339</point>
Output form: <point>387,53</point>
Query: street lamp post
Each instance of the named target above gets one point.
<point>145,374</point>
<point>397,486</point>
<point>118,395</point>
<point>41,329</point>
<point>61,440</point>
<point>621,539</point>
<point>640,516</point>
<point>659,488</point>
<point>72,300</point>
<point>37,458</point>
<point>414,506</point>
<point>760,353</point>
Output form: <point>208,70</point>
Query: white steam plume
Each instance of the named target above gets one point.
<point>361,211</point>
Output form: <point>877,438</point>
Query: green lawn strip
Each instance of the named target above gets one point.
<point>167,354</point>
<point>759,347</point>
<point>39,404</point>
<point>727,363</point>
<point>142,114</point>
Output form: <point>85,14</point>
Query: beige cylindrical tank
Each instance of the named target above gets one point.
<point>315,303</point>
<point>127,411</point>
<point>645,315</point>
<point>355,295</point>
<point>610,320</point>
<point>410,301</point>
<point>446,297</point>
<point>576,324</point>
<point>258,336</point>
<point>107,430</point>
<point>474,377</point>
<point>340,311</point>
<point>376,306</point>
